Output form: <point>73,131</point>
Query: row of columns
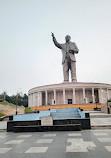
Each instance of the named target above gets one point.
<point>64,96</point>
<point>39,96</point>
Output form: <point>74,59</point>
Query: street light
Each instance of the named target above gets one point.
<point>18,94</point>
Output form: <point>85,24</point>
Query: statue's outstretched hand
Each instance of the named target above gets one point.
<point>52,34</point>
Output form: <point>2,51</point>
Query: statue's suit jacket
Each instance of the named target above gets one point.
<point>64,48</point>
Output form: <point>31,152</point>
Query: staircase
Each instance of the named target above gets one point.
<point>63,120</point>
<point>65,114</point>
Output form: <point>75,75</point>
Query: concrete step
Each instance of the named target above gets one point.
<point>100,116</point>
<point>64,114</point>
<point>67,110</point>
<point>3,130</point>
<point>35,128</point>
<point>101,127</point>
<point>68,117</point>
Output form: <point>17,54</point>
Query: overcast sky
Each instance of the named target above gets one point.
<point>28,57</point>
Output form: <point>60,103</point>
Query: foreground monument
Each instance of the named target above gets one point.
<point>69,49</point>
<point>69,92</point>
<point>60,116</point>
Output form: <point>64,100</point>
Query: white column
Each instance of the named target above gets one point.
<point>40,98</point>
<point>32,99</point>
<point>36,99</point>
<point>29,99</point>
<point>100,95</point>
<point>107,94</point>
<point>84,96</point>
<point>55,96</point>
<point>93,96</point>
<point>64,98</point>
<point>74,98</point>
<point>46,98</point>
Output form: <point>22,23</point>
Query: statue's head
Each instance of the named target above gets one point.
<point>67,38</point>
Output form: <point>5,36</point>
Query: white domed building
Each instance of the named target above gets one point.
<point>69,93</point>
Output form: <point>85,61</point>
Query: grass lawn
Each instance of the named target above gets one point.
<point>1,115</point>
<point>27,110</point>
<point>5,103</point>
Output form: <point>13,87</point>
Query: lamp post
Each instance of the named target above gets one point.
<point>16,102</point>
<point>18,94</point>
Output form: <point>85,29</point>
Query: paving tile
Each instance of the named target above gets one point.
<point>76,149</point>
<point>76,142</point>
<point>108,148</point>
<point>79,145</point>
<point>37,150</point>
<point>44,141</point>
<point>3,136</point>
<point>4,150</point>
<point>104,139</point>
<point>14,142</point>
<point>24,136</point>
<point>100,134</point>
<point>49,135</point>
<point>74,134</point>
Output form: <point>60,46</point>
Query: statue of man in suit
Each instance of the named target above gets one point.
<point>69,49</point>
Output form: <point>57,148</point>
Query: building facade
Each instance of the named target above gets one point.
<point>69,93</point>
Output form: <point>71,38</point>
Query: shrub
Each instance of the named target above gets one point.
<point>1,115</point>
<point>27,110</point>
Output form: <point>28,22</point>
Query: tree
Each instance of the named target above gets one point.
<point>3,95</point>
<point>21,100</point>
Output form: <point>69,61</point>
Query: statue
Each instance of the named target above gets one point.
<point>69,49</point>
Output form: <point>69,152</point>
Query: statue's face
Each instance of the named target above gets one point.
<point>67,38</point>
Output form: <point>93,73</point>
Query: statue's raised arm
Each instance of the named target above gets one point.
<point>55,41</point>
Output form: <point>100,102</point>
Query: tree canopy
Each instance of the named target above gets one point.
<point>15,99</point>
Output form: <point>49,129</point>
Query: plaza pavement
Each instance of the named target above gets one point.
<point>3,125</point>
<point>99,119</point>
<point>82,144</point>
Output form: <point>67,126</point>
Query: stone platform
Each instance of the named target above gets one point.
<point>51,120</point>
<point>84,123</point>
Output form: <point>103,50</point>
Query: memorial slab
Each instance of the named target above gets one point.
<point>46,121</point>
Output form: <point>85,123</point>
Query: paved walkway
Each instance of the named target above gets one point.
<point>3,125</point>
<point>97,113</point>
<point>99,119</point>
<point>85,143</point>
<point>82,144</point>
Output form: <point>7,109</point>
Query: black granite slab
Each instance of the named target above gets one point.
<point>35,128</point>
